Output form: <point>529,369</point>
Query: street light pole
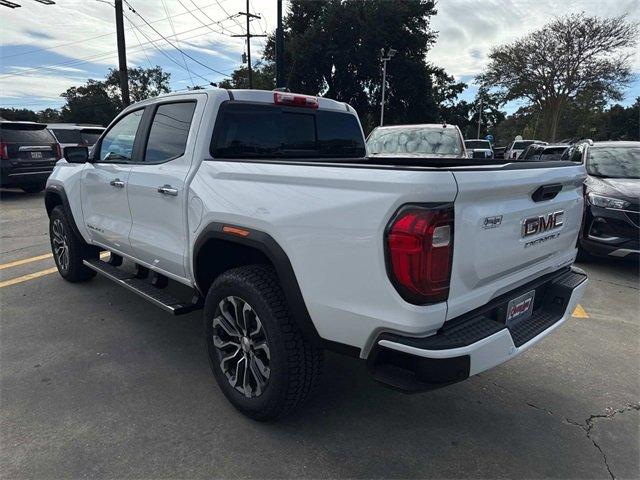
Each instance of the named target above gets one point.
<point>384,59</point>
<point>479,118</point>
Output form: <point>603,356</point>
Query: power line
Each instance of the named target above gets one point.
<point>104,35</point>
<point>169,42</point>
<point>164,5</point>
<point>167,55</point>
<point>208,17</point>
<point>95,56</point>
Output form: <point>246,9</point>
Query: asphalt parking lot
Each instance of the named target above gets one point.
<point>94,382</point>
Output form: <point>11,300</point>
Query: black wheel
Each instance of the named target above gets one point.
<point>258,356</point>
<point>33,187</point>
<point>68,249</point>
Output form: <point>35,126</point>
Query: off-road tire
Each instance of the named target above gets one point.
<point>72,270</point>
<point>295,363</point>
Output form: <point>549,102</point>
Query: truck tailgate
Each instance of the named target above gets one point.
<point>492,251</point>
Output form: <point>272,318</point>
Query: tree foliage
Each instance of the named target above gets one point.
<point>573,58</point>
<point>99,101</point>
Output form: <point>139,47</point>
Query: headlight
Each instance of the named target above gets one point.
<point>607,202</point>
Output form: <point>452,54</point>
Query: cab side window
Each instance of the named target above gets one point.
<point>169,132</point>
<point>117,144</point>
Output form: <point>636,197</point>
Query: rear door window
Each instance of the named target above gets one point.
<point>245,130</point>
<point>169,132</point>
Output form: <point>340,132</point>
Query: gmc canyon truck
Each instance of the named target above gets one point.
<point>262,209</point>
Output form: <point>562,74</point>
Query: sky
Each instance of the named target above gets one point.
<point>46,49</point>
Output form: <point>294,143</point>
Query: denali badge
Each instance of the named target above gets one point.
<point>542,223</point>
<point>492,222</point>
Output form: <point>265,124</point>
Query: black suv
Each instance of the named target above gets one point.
<point>28,153</point>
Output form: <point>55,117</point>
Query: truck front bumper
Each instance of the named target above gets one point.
<point>478,340</point>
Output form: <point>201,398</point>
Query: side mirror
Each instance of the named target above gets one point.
<point>76,154</point>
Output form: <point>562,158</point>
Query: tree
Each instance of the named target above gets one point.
<point>99,101</point>
<point>333,50</point>
<point>264,77</point>
<point>90,103</point>
<point>18,114</point>
<point>572,57</point>
<point>143,82</point>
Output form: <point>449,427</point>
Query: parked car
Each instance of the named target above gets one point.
<point>612,199</point>
<point>74,135</point>
<point>427,140</point>
<point>543,153</point>
<point>499,152</point>
<point>517,147</point>
<point>478,148</point>
<point>28,153</point>
<point>266,208</point>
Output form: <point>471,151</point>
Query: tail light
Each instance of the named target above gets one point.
<point>419,244</point>
<point>292,100</point>
<point>4,151</point>
<point>57,151</point>
<point>513,155</point>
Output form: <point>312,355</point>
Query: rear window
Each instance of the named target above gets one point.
<point>67,136</point>
<point>27,134</point>
<point>245,130</point>
<point>477,144</point>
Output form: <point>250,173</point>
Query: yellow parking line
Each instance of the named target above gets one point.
<point>579,312</point>
<point>29,276</point>
<point>25,260</point>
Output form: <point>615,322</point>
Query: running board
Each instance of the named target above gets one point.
<point>158,297</point>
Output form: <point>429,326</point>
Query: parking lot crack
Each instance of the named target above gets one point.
<point>590,422</point>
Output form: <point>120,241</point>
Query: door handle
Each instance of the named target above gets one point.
<point>168,190</point>
<point>117,183</point>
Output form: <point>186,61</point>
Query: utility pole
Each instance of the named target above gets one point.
<point>384,59</point>
<point>279,49</point>
<point>250,16</point>
<point>479,118</point>
<point>122,55</point>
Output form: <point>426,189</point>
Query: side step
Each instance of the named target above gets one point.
<point>147,291</point>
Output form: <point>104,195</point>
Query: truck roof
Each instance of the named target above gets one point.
<point>260,96</point>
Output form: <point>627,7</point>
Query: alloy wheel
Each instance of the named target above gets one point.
<point>60,245</point>
<point>241,346</point>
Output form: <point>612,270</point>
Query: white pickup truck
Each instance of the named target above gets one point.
<point>263,209</point>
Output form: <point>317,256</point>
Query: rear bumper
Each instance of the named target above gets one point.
<point>12,174</point>
<point>477,341</point>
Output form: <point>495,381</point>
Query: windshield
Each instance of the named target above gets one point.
<point>415,141</point>
<point>477,144</point>
<point>614,162</point>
